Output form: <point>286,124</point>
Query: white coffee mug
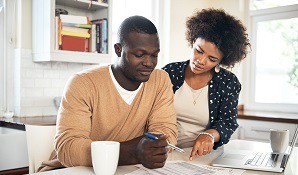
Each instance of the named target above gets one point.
<point>279,140</point>
<point>105,155</point>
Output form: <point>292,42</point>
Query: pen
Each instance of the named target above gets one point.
<point>153,137</point>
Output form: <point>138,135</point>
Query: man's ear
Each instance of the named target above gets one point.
<point>118,49</point>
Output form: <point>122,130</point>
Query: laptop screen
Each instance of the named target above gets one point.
<point>284,164</point>
<point>294,140</point>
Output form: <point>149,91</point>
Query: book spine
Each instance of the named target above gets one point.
<point>59,34</point>
<point>73,43</point>
<point>92,40</point>
<point>74,19</point>
<point>84,35</point>
<point>56,33</point>
<point>105,36</point>
<point>87,26</point>
<point>75,29</point>
<point>98,38</point>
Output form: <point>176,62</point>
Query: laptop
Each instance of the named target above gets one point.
<point>253,160</point>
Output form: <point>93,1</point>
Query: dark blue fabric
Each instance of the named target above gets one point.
<point>224,89</point>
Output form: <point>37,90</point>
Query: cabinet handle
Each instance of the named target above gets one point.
<point>260,129</point>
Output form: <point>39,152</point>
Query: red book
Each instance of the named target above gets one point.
<point>74,43</point>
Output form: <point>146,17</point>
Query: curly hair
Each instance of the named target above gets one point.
<point>223,30</point>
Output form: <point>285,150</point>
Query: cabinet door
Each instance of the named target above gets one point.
<point>260,130</point>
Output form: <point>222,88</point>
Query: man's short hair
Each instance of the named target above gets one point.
<point>137,24</point>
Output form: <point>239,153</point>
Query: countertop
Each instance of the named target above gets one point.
<point>281,117</point>
<point>20,122</point>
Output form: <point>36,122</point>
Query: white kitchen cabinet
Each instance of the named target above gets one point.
<point>260,130</point>
<point>13,149</point>
<point>43,30</point>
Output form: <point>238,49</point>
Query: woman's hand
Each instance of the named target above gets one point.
<point>203,145</point>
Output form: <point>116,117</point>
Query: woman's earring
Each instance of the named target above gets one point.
<point>217,68</point>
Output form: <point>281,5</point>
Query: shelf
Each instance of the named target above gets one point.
<point>74,57</point>
<point>43,31</point>
<point>83,4</point>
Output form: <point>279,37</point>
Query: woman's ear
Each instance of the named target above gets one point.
<point>118,49</point>
<point>194,40</point>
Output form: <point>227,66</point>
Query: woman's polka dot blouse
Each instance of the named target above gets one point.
<point>224,89</point>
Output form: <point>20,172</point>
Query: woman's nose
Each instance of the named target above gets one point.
<point>202,59</point>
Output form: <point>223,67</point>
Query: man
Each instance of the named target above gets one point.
<point>120,102</point>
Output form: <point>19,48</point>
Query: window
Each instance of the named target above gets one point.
<point>2,83</point>
<point>274,39</point>
<point>7,25</point>
<point>265,4</point>
<point>124,8</point>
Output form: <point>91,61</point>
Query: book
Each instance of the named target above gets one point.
<point>77,34</point>
<point>56,39</point>
<point>74,19</point>
<point>87,26</point>
<point>73,43</point>
<point>96,21</point>
<point>75,29</point>
<point>98,25</point>
<point>104,36</point>
<point>101,35</point>
<point>98,38</point>
<point>92,40</point>
<point>59,34</point>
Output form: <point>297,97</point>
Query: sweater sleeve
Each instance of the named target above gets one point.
<point>162,119</point>
<point>72,141</point>
<point>226,122</point>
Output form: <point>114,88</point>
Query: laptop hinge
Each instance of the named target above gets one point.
<point>284,161</point>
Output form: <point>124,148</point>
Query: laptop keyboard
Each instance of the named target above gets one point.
<point>263,159</point>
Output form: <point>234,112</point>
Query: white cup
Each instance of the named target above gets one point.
<point>279,140</point>
<point>105,155</point>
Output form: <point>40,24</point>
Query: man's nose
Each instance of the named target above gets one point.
<point>148,61</point>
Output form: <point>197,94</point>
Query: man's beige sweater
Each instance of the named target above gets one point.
<point>92,109</point>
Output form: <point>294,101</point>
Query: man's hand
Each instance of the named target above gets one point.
<point>152,153</point>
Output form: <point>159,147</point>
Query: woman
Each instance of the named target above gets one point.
<point>206,95</point>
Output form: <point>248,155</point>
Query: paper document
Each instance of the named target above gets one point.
<point>185,168</point>
<point>225,171</point>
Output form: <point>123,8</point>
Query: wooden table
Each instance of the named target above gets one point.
<point>291,169</point>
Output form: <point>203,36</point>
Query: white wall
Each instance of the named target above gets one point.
<point>36,84</point>
<point>179,11</point>
<point>1,57</point>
